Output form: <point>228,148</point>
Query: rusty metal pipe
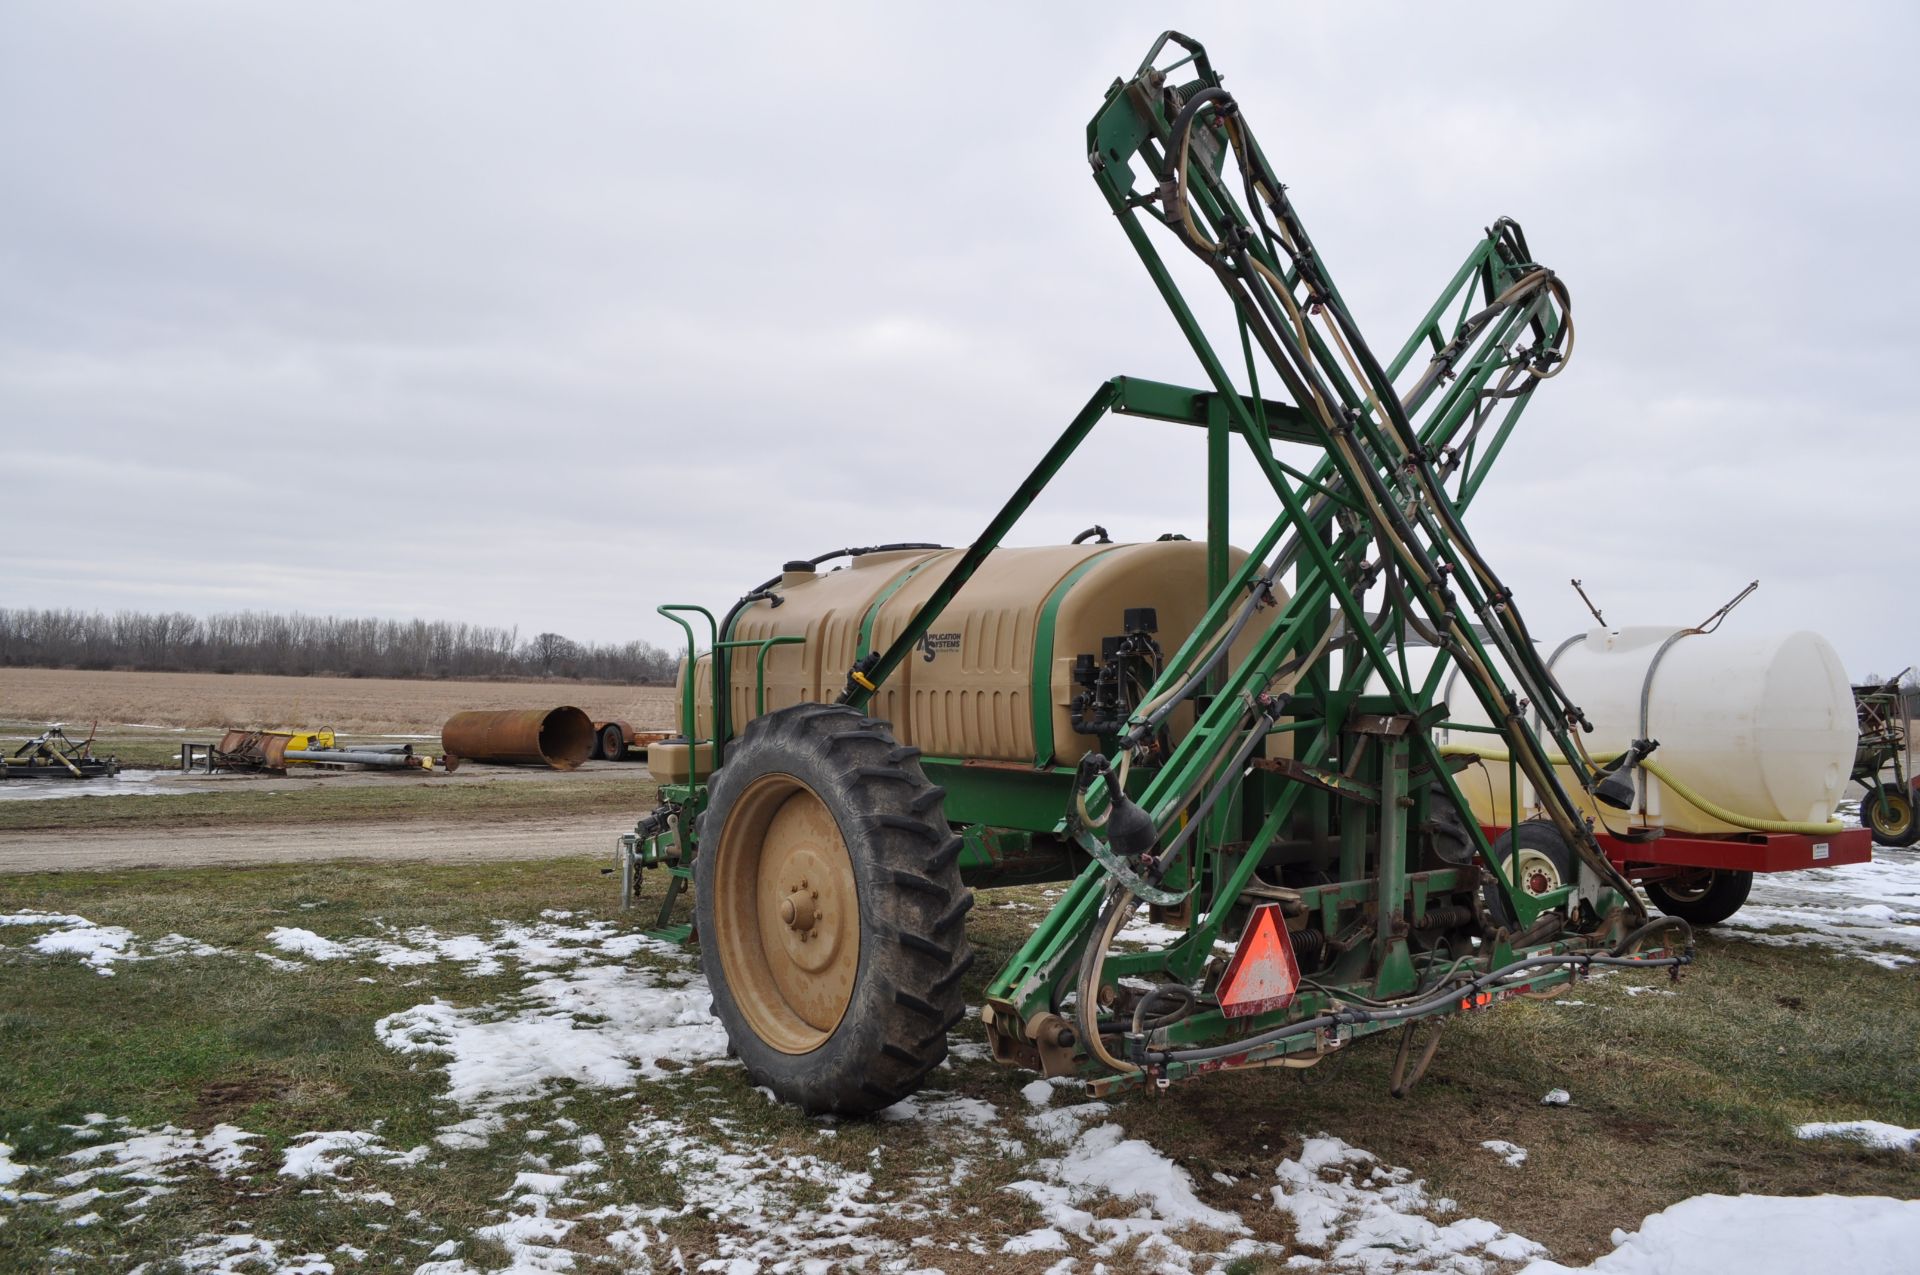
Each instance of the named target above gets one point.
<point>355,757</point>
<point>558,737</point>
<point>252,750</point>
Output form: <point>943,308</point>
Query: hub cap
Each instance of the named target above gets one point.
<point>1537,873</point>
<point>1891,813</point>
<point>1690,888</point>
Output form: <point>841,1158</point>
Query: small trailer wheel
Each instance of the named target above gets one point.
<point>1889,812</point>
<point>1707,897</point>
<point>828,904</point>
<point>613,742</point>
<point>1545,864</point>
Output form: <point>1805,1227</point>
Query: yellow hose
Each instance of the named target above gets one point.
<point>1123,907</point>
<point>1706,806</point>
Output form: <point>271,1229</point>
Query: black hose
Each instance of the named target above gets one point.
<point>762,587</point>
<point>1177,144</point>
<point>1633,941</point>
<point>1414,1009</point>
<point>1189,999</point>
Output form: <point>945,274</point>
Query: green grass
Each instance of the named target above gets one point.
<point>388,799</point>
<point>144,752</point>
<point>1673,1095</point>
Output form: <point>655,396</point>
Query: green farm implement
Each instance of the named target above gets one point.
<point>1230,744</point>
<point>1880,765</point>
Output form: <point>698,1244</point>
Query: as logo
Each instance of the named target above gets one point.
<point>931,644</point>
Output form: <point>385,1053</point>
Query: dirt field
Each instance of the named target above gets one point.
<point>200,700</point>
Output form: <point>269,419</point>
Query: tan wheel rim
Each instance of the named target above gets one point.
<point>1898,818</point>
<point>1537,874</point>
<point>788,914</point>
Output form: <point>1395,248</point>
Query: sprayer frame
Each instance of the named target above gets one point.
<point>1364,776</point>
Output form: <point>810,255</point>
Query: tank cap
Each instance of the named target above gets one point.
<point>798,564</point>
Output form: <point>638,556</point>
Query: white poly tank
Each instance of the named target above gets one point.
<point>1763,726</point>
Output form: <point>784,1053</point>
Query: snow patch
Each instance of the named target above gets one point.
<point>34,917</point>
<point>544,944</point>
<point>1874,1133</point>
<point>298,942</point>
<point>1764,1235</point>
<point>1104,1162</point>
<point>1369,1217</point>
<point>100,946</point>
<point>1041,1240</point>
<point>323,1155</point>
<point>1867,911</point>
<point>756,1192</point>
<point>248,1254</point>
<point>10,1172</point>
<point>602,1026</point>
<point>150,1161</point>
<point>1511,1155</point>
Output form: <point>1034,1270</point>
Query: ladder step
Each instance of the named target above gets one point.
<point>672,933</point>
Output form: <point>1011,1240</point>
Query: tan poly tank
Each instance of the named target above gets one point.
<point>992,680</point>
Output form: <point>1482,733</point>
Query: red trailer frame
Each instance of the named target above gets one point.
<point>1673,854</point>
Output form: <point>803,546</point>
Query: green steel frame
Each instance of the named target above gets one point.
<point>1380,506</point>
<point>1886,727</point>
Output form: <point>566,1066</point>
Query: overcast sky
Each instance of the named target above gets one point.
<point>542,315</point>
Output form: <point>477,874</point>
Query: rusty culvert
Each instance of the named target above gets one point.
<point>558,737</point>
<point>252,750</point>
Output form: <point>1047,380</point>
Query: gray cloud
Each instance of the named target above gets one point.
<point>541,316</point>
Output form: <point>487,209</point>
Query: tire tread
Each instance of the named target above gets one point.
<point>914,949</point>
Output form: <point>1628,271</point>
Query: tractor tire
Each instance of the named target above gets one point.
<point>1897,824</point>
<point>828,905</point>
<point>613,742</point>
<point>1546,864</point>
<point>1707,897</point>
<point>1447,837</point>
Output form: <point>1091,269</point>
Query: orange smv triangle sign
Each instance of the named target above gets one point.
<point>1262,973</point>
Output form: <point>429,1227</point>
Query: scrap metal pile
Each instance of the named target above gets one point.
<point>51,755</point>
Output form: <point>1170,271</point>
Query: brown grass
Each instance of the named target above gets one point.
<point>381,705</point>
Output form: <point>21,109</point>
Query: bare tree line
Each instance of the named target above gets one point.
<point>311,645</point>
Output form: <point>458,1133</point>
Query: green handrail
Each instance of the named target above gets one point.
<point>688,720</point>
<point>760,671</point>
